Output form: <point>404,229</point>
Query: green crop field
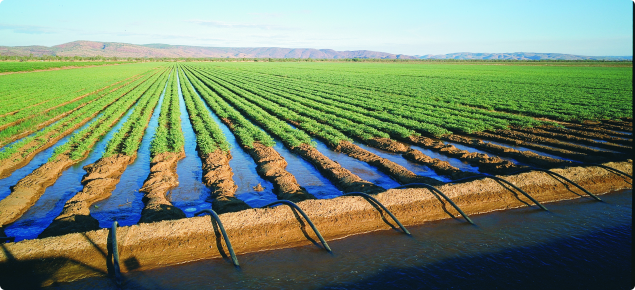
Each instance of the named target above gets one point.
<point>388,116</point>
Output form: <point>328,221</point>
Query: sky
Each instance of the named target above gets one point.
<point>582,27</point>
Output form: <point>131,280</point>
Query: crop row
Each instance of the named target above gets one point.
<point>432,119</point>
<point>244,129</point>
<point>77,147</point>
<point>126,141</point>
<point>209,136</point>
<point>169,137</point>
<point>290,136</point>
<point>560,93</point>
<point>41,139</point>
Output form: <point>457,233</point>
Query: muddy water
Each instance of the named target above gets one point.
<point>125,204</point>
<point>37,161</point>
<point>307,175</point>
<point>244,169</point>
<point>462,165</point>
<point>579,244</point>
<point>359,168</point>
<point>50,205</point>
<point>476,150</point>
<point>416,168</point>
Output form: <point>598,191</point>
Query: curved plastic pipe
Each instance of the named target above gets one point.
<point>291,204</point>
<point>222,230</point>
<point>428,186</point>
<point>356,193</point>
<point>506,182</point>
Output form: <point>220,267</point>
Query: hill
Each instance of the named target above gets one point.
<point>109,49</point>
<point>520,56</point>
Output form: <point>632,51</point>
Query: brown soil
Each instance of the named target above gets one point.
<point>597,130</point>
<point>567,137</point>
<point>80,255</point>
<point>440,167</point>
<point>555,143</point>
<point>388,145</point>
<point>22,158</point>
<point>259,187</point>
<point>217,175</point>
<point>99,182</point>
<point>29,189</point>
<point>272,167</point>
<point>394,170</point>
<point>626,122</point>
<point>546,149</point>
<point>341,177</point>
<point>485,163</point>
<point>589,134</point>
<point>161,179</point>
<point>524,156</point>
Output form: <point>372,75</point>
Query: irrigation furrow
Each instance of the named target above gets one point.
<point>567,137</point>
<point>29,189</point>
<point>354,125</point>
<point>589,135</point>
<point>396,171</point>
<point>102,176</point>
<point>166,150</point>
<point>555,143</point>
<point>551,150</point>
<point>270,165</point>
<point>597,130</point>
<point>19,154</point>
<point>341,177</point>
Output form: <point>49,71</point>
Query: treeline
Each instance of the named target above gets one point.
<point>267,59</point>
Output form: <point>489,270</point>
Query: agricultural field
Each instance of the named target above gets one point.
<point>150,143</point>
<point>14,66</point>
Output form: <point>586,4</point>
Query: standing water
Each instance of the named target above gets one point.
<point>125,204</point>
<point>244,168</point>
<point>50,205</point>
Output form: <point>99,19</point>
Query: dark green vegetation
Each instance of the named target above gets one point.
<point>43,65</point>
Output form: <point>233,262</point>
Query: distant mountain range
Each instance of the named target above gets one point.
<point>520,56</point>
<point>110,49</point>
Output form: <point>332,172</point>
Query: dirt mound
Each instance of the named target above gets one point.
<point>99,181</point>
<point>272,167</point>
<point>394,170</point>
<point>217,175</point>
<point>340,176</point>
<point>29,189</point>
<point>162,178</point>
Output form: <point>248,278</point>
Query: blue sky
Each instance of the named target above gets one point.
<point>407,27</point>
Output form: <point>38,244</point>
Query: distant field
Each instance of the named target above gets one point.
<point>349,126</point>
<point>9,66</point>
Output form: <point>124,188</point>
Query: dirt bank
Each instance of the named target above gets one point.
<point>161,179</point>
<point>80,255</point>
<point>547,149</point>
<point>439,166</point>
<point>341,177</point>
<point>394,170</point>
<point>99,181</point>
<point>29,189</point>
<point>572,138</point>
<point>555,143</point>
<point>524,156</point>
<point>485,163</point>
<point>217,175</point>
<point>589,134</point>
<point>272,167</point>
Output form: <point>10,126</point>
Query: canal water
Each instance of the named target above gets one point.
<point>578,244</point>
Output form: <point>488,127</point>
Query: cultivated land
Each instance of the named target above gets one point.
<point>430,123</point>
